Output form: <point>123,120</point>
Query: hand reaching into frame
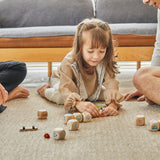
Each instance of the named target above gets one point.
<point>134,93</point>
<point>141,97</point>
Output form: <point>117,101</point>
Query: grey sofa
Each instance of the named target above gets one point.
<point>38,30</point>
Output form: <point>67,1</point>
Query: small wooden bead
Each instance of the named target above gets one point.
<point>46,135</point>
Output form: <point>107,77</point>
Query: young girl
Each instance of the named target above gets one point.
<point>87,73</point>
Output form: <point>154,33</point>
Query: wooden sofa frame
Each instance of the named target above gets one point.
<point>130,48</point>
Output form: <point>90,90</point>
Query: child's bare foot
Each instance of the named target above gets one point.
<point>18,92</point>
<point>42,89</point>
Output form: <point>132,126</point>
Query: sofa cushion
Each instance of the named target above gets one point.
<point>44,31</point>
<point>125,11</point>
<point>127,28</point>
<point>26,13</point>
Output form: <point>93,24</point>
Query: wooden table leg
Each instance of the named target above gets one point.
<point>49,69</point>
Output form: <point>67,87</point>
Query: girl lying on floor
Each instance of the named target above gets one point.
<point>87,73</point>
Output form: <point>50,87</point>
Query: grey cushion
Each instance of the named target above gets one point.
<point>125,11</point>
<point>37,31</point>
<point>136,28</point>
<point>25,13</point>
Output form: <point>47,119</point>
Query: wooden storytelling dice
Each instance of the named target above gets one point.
<point>86,117</point>
<point>67,117</point>
<point>59,133</point>
<point>78,116</point>
<point>73,124</point>
<point>159,124</point>
<point>42,114</point>
<point>140,120</point>
<point>153,125</point>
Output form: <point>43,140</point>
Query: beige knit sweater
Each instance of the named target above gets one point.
<point>68,85</point>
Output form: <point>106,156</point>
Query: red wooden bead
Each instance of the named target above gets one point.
<point>46,135</point>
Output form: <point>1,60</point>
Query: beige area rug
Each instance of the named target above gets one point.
<point>107,138</point>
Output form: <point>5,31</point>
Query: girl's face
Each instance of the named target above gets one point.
<point>92,56</point>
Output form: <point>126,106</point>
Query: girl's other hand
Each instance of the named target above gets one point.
<point>110,111</point>
<point>88,107</point>
<point>3,95</point>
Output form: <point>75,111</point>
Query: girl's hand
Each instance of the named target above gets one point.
<point>110,111</point>
<point>3,95</point>
<point>87,107</point>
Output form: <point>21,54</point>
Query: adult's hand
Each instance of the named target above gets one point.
<point>3,95</point>
<point>134,93</point>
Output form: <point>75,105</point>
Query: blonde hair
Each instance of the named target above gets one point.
<point>101,36</point>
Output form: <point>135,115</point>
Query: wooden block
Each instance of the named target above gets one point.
<point>159,124</point>
<point>73,124</point>
<point>28,129</point>
<point>153,125</point>
<point>78,116</point>
<point>140,120</point>
<point>101,115</point>
<point>59,133</point>
<point>86,116</point>
<point>67,117</point>
<point>42,114</point>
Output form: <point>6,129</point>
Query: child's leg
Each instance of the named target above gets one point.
<point>52,93</point>
<point>147,81</point>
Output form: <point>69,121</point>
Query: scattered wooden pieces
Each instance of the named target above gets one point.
<point>33,128</point>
